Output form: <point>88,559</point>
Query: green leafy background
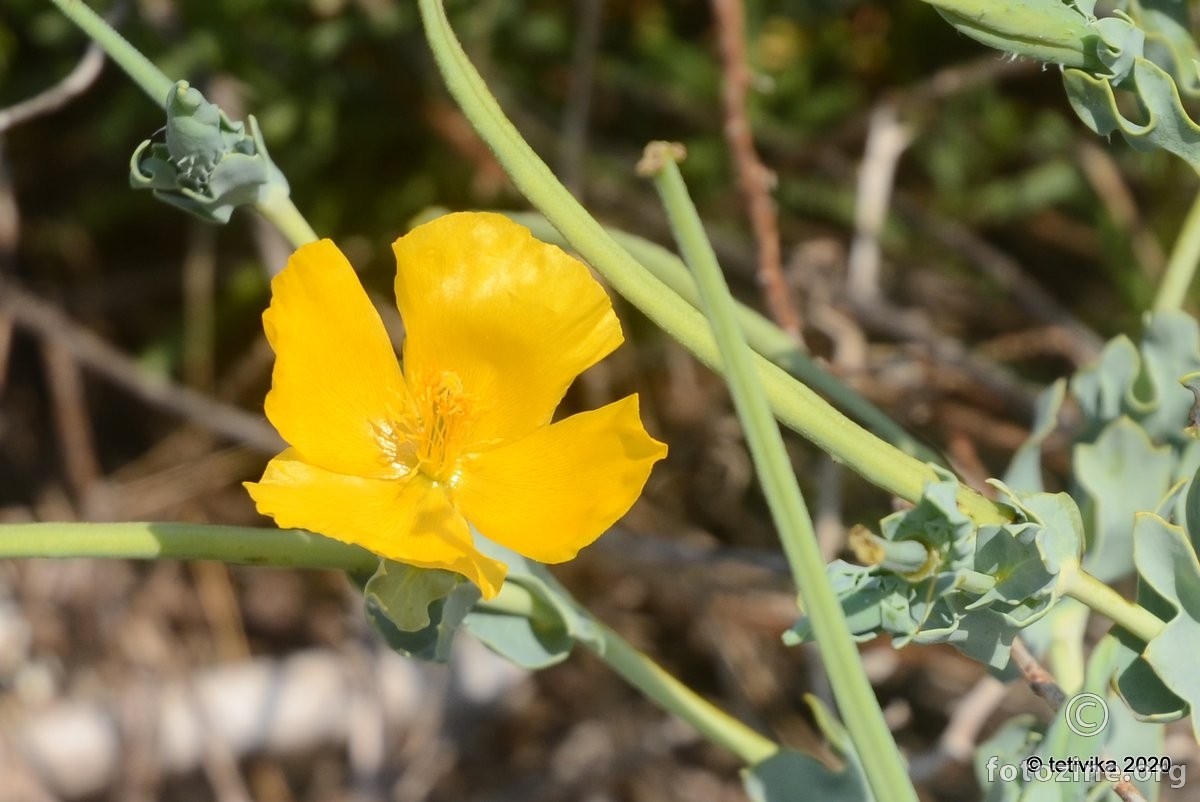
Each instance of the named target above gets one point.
<point>350,105</point>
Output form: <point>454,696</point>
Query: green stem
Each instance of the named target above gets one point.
<point>149,77</point>
<point>673,696</point>
<point>1139,621</point>
<point>282,548</point>
<point>279,209</point>
<point>797,406</point>
<point>515,600</point>
<point>639,671</point>
<point>765,337</point>
<point>1181,267</point>
<point>881,761</point>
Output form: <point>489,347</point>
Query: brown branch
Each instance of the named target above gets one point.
<point>887,139</point>
<point>1043,683</point>
<point>1102,172</point>
<point>76,442</point>
<point>31,313</point>
<point>754,179</point>
<point>74,84</point>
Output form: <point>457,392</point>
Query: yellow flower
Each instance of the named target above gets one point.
<point>497,327</point>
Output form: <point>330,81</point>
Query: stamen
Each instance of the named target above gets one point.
<point>432,432</point>
<point>446,412</point>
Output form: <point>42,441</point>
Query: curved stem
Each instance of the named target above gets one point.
<point>797,406</point>
<point>654,682</point>
<point>280,210</point>
<point>1139,621</point>
<point>766,338</point>
<point>278,207</point>
<point>143,72</point>
<point>281,548</point>
<point>672,695</point>
<point>1181,267</point>
<point>885,769</point>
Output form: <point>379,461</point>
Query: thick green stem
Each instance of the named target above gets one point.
<point>641,672</point>
<point>1139,621</point>
<point>881,761</point>
<point>797,406</point>
<point>278,207</point>
<point>672,695</point>
<point>1181,267</point>
<point>767,339</point>
<point>282,213</point>
<point>150,78</point>
<point>282,548</point>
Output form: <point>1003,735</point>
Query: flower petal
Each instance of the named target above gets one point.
<point>409,521</point>
<point>337,385</point>
<point>550,494</point>
<point>514,318</point>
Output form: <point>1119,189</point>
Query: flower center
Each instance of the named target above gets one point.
<point>432,433</point>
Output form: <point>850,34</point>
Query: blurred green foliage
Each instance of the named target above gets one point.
<point>354,113</point>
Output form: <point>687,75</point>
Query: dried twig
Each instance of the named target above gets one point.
<point>34,314</point>
<point>887,138</point>
<point>199,288</point>
<point>10,232</point>
<point>1102,173</point>
<point>949,356</point>
<point>957,742</point>
<point>1005,271</point>
<point>1043,683</point>
<point>76,442</point>
<point>991,261</point>
<point>74,84</point>
<point>755,180</point>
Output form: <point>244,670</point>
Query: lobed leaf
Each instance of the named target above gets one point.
<point>982,586</point>
<point>1120,737</point>
<point>1120,474</point>
<point>531,641</point>
<point>418,610</point>
<point>1167,565</point>
<point>1166,124</point>
<point>1143,383</point>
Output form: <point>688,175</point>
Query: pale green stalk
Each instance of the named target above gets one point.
<point>881,761</point>
<point>149,77</point>
<point>277,207</point>
<point>672,695</point>
<point>293,548</point>
<point>1101,598</point>
<point>281,548</point>
<point>765,337</point>
<point>797,406</point>
<point>1181,267</point>
<point>282,213</point>
<point>643,674</point>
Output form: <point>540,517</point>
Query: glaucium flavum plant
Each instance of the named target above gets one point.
<point>406,462</point>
